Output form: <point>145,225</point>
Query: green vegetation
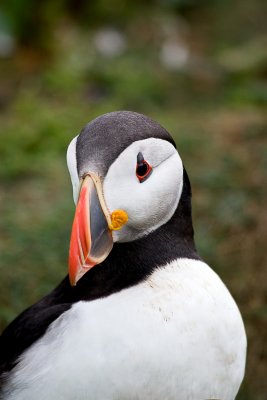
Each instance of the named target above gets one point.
<point>199,68</point>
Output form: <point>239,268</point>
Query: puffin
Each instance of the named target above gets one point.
<point>140,315</point>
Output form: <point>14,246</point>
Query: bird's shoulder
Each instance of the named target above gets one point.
<point>29,326</point>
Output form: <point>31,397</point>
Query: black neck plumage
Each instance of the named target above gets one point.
<point>130,263</point>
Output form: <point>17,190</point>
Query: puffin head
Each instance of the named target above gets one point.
<point>128,183</point>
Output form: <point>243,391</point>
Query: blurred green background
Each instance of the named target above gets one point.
<point>197,67</point>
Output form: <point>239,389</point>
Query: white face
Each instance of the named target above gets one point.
<point>149,204</point>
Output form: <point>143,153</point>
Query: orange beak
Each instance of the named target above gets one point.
<point>91,237</point>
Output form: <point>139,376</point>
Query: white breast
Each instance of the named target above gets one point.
<point>178,335</point>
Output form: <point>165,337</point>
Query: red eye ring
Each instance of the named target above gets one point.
<point>143,170</point>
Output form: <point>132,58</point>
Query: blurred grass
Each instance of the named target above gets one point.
<point>212,98</point>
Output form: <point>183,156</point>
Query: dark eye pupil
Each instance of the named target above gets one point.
<point>142,169</point>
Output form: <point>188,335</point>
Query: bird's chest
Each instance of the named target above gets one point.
<point>173,341</point>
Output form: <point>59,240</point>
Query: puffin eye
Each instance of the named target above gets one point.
<point>143,168</point>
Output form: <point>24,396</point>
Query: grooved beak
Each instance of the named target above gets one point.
<point>91,237</point>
